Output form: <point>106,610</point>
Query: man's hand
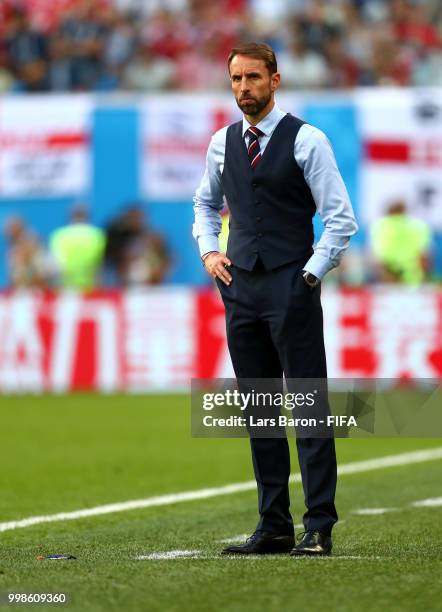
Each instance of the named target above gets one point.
<point>311,280</point>
<point>216,264</point>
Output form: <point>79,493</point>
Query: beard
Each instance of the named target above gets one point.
<point>255,106</point>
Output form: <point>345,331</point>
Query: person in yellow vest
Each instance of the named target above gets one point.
<point>401,245</point>
<point>78,251</point>
<point>224,233</point>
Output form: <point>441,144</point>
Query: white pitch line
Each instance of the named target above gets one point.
<point>355,467</point>
<point>239,538</point>
<point>339,557</point>
<point>428,503</point>
<point>170,554</point>
<point>373,511</point>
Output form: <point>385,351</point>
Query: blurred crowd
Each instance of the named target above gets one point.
<point>83,257</point>
<point>128,253</point>
<point>151,45</point>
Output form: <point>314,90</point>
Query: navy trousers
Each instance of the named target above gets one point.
<point>274,325</point>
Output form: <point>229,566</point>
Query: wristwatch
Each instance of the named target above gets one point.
<point>311,280</point>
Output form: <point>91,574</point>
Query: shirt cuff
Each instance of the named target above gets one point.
<point>318,265</point>
<point>207,243</point>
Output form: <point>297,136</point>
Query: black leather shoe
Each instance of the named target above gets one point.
<point>313,543</point>
<point>262,543</point>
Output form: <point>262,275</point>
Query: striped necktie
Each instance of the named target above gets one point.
<point>253,150</point>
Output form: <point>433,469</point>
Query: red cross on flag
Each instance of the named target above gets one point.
<point>402,152</point>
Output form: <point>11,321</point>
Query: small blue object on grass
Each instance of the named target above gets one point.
<point>57,557</point>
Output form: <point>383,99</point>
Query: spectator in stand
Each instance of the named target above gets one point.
<point>412,24</point>
<point>427,69</point>
<point>313,22</point>
<point>82,37</point>
<point>214,28</point>
<point>201,68</point>
<point>167,34</point>
<point>343,71</point>
<point>6,15</point>
<point>136,254</point>
<point>60,67</point>
<point>302,68</point>
<point>213,21</point>
<point>28,54</point>
<point>401,245</point>
<point>146,72</point>
<point>119,47</point>
<point>267,19</point>
<point>389,66</point>
<point>359,32</point>
<point>78,250</point>
<point>28,263</point>
<point>419,41</point>
<point>6,77</point>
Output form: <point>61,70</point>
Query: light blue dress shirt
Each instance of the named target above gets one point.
<point>314,155</point>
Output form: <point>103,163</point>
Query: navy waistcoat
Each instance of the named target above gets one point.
<point>271,206</point>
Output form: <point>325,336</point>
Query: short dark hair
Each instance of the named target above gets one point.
<point>257,51</point>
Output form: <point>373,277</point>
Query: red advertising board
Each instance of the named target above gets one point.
<point>158,339</point>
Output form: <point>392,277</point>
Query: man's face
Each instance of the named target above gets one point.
<point>252,84</point>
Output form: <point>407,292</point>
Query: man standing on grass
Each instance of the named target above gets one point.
<point>275,172</point>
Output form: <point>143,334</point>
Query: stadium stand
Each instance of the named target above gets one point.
<point>79,45</point>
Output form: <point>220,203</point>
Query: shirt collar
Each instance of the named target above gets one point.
<point>266,125</point>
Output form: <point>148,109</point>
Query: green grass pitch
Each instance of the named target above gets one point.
<point>71,452</point>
